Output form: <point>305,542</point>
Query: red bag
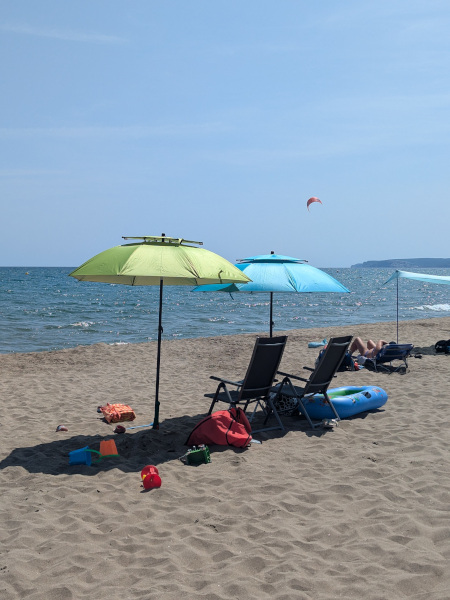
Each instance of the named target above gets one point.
<point>224,428</point>
<point>114,413</point>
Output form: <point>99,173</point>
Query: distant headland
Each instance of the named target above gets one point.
<point>405,263</point>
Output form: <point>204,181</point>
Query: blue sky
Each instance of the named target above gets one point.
<point>217,120</point>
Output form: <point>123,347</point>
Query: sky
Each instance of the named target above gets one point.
<point>215,121</point>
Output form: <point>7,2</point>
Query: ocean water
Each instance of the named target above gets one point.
<point>44,309</point>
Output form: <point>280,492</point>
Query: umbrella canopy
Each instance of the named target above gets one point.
<point>442,279</point>
<point>159,260</point>
<point>427,277</point>
<point>277,273</point>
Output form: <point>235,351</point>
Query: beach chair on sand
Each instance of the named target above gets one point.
<point>257,384</point>
<point>319,379</point>
<point>387,354</point>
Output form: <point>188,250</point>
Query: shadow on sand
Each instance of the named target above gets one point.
<point>136,448</point>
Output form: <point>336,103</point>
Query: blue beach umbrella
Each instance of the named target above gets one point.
<point>275,273</point>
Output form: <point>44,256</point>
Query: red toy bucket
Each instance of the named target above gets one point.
<point>150,477</point>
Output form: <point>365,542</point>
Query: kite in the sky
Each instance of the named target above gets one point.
<point>311,200</point>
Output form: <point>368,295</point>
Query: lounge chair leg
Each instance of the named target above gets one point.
<point>273,411</point>
<point>250,419</point>
<point>338,418</point>
<point>211,407</point>
<point>215,398</point>
<point>299,400</point>
<point>305,414</point>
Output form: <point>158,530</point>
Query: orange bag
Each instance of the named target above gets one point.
<point>114,413</point>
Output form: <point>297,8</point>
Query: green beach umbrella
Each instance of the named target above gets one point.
<point>159,260</point>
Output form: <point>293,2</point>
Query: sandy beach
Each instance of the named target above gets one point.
<point>361,511</point>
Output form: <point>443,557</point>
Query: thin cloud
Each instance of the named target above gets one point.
<point>258,49</point>
<point>24,173</point>
<point>69,36</point>
<point>354,13</point>
<point>387,103</point>
<point>132,131</point>
<point>371,140</point>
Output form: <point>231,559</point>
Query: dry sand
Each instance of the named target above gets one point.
<point>361,511</point>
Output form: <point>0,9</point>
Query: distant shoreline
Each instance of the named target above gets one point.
<point>405,263</point>
<point>392,263</point>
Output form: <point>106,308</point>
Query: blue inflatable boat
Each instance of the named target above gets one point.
<point>348,401</point>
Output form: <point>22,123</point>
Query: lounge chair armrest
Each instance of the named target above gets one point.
<point>291,376</point>
<point>236,383</point>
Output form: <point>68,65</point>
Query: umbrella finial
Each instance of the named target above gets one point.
<point>272,252</point>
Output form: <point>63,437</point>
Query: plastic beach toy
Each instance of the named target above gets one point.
<point>150,477</point>
<point>83,456</point>
<point>108,448</point>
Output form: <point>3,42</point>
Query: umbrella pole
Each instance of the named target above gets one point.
<point>158,358</point>
<point>397,310</point>
<point>271,313</point>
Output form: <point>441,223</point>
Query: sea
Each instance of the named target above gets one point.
<point>43,309</point>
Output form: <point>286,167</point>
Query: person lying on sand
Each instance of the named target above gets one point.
<point>369,350</point>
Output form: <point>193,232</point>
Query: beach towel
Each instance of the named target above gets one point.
<point>224,428</point>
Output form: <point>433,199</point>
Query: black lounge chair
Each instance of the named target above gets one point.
<point>319,380</point>
<point>257,383</point>
<point>387,354</point>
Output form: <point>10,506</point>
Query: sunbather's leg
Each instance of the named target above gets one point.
<point>370,345</point>
<point>359,345</point>
<point>375,348</point>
